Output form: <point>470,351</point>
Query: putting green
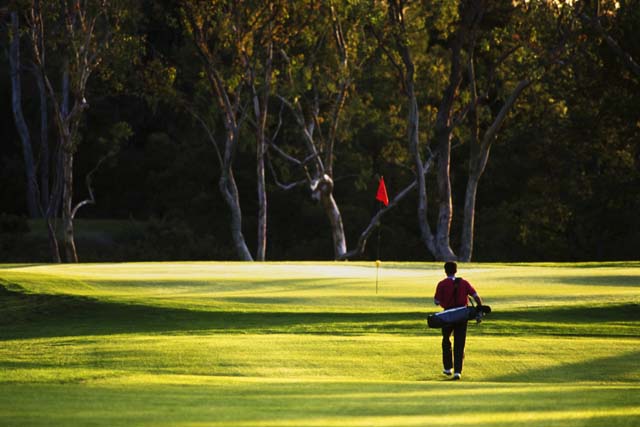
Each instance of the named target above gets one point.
<point>312,344</point>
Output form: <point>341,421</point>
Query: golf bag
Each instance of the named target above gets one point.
<point>456,315</point>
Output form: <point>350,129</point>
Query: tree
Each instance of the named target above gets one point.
<point>47,204</point>
<point>83,33</point>
<point>323,61</point>
<point>609,11</point>
<point>16,67</point>
<point>266,34</point>
<point>458,31</point>
<point>220,31</point>
<point>318,74</point>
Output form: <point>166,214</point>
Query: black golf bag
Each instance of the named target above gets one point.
<point>457,315</point>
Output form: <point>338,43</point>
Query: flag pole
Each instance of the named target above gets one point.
<point>383,198</point>
<point>377,268</point>
<point>378,262</point>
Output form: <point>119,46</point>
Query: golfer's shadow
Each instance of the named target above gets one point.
<point>432,379</point>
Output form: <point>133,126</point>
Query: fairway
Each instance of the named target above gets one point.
<point>313,344</point>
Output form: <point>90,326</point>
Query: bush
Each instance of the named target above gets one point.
<point>13,224</point>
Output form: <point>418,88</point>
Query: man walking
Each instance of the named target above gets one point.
<point>453,292</point>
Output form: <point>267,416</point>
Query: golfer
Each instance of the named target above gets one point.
<point>453,292</point>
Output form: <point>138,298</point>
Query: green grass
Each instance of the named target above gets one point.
<point>312,344</point>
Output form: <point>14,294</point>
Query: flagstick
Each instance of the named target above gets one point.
<point>378,262</point>
<point>382,197</point>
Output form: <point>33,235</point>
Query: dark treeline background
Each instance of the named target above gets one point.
<point>561,181</point>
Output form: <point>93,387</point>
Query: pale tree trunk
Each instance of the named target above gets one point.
<point>53,242</point>
<point>261,250</point>
<point>229,191</point>
<point>445,205</point>
<point>260,109</point>
<point>468,227</point>
<point>337,228</point>
<point>51,211</point>
<point>50,218</point>
<point>478,161</point>
<point>21,125</point>
<point>443,133</point>
<point>414,143</point>
<point>228,100</point>
<point>49,201</point>
<point>67,123</point>
<point>396,16</point>
<point>322,189</point>
<point>44,165</point>
<point>71,254</point>
<point>228,187</point>
<point>413,129</point>
<point>55,198</point>
<point>227,183</point>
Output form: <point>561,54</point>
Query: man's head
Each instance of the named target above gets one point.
<point>451,268</point>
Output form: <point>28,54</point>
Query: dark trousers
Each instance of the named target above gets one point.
<point>454,360</point>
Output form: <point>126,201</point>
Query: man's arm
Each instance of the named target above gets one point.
<point>437,296</point>
<point>476,297</point>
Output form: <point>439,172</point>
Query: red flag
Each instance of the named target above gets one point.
<point>381,195</point>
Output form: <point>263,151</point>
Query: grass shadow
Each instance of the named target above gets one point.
<point>24,315</point>
<point>612,280</point>
<point>609,321</point>
<point>30,315</point>
<point>573,314</point>
<point>620,367</point>
<point>14,266</point>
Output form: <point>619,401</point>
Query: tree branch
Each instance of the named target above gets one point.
<point>375,220</point>
<point>490,134</point>
<point>613,44</point>
<point>88,179</point>
<point>285,187</point>
<point>204,125</point>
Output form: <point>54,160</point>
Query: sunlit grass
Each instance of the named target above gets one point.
<point>312,344</point>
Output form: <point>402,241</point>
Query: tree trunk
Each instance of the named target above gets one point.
<point>414,144</point>
<point>337,228</point>
<point>21,125</point>
<point>260,108</point>
<point>53,241</point>
<point>44,141</point>
<point>413,126</point>
<point>477,164</point>
<point>323,189</point>
<point>229,191</point>
<point>468,226</point>
<point>261,250</point>
<point>67,203</point>
<point>443,132</point>
<point>445,205</point>
<point>261,149</point>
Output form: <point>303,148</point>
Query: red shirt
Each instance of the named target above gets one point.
<point>444,293</point>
